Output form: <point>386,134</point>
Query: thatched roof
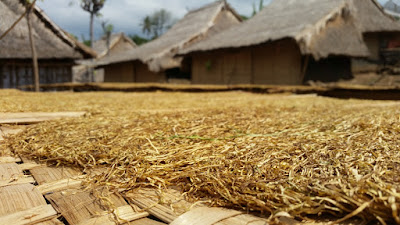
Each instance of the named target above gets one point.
<point>51,41</point>
<point>320,27</point>
<point>195,26</point>
<point>372,17</point>
<point>100,46</point>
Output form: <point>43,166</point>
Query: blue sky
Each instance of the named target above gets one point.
<point>125,15</point>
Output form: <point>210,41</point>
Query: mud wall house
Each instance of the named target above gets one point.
<point>56,50</point>
<point>117,43</point>
<point>290,42</point>
<point>155,61</point>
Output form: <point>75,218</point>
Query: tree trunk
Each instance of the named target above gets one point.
<point>91,30</point>
<point>91,70</point>
<point>33,49</point>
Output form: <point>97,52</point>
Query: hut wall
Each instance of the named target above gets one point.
<point>237,67</point>
<point>19,73</point>
<point>277,63</point>
<point>207,68</point>
<point>144,75</point>
<point>121,72</point>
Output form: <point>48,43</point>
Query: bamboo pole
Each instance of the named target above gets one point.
<point>17,21</point>
<point>33,48</point>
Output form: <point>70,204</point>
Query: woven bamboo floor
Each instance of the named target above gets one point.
<point>31,193</point>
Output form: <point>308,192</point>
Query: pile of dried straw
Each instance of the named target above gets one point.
<point>265,154</point>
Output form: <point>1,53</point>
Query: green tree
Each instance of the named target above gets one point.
<point>157,23</point>
<point>260,7</point>
<point>138,39</point>
<point>93,7</point>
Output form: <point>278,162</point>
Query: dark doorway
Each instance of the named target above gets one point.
<point>331,69</point>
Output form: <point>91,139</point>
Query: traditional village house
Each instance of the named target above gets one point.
<point>152,61</point>
<point>292,41</point>
<point>56,50</point>
<point>116,44</point>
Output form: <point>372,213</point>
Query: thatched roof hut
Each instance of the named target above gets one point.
<point>320,28</point>
<point>56,49</point>
<point>287,19</point>
<point>51,41</point>
<point>118,43</point>
<point>197,25</point>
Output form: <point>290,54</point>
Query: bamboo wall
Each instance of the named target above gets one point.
<point>131,72</point>
<point>14,74</point>
<point>121,72</point>
<point>276,63</point>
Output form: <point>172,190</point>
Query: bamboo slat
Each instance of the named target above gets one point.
<point>170,198</point>
<point>145,221</point>
<point>21,197</point>
<point>64,184</point>
<point>122,214</point>
<point>28,166</point>
<point>32,118</point>
<point>16,181</point>
<point>50,222</point>
<point>161,212</point>
<point>245,219</point>
<point>29,216</point>
<point>46,174</point>
<point>79,206</point>
<point>10,171</point>
<point>206,216</point>
<point>11,174</point>
<point>8,159</point>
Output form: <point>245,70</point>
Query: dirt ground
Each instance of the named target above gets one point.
<point>300,154</point>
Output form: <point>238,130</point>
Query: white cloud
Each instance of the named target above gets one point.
<point>126,15</point>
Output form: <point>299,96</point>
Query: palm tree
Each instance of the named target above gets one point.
<point>93,7</point>
<point>147,25</point>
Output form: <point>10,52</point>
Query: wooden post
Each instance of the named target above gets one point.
<point>33,49</point>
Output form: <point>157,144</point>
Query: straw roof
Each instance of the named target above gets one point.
<point>100,46</point>
<point>320,27</point>
<point>51,41</point>
<point>196,25</point>
<point>372,17</point>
